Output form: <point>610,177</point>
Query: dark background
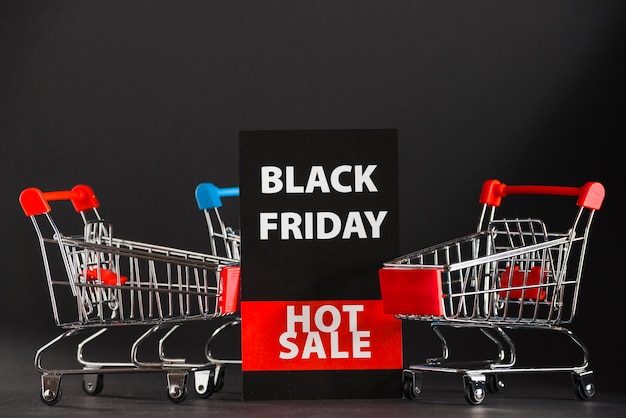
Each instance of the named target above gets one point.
<point>142,100</point>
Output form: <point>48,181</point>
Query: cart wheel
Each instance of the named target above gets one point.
<point>474,389</point>
<point>494,383</point>
<point>93,384</point>
<point>176,393</point>
<point>583,385</point>
<point>411,383</point>
<point>177,387</point>
<point>50,392</point>
<point>49,397</point>
<point>205,383</point>
<point>219,379</point>
<point>409,390</point>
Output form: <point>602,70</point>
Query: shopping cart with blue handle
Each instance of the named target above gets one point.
<point>97,281</point>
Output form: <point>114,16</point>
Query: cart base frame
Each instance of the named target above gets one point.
<point>482,377</point>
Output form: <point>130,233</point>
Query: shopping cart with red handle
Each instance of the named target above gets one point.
<point>510,274</point>
<point>225,242</point>
<point>97,281</point>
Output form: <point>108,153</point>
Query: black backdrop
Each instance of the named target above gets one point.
<point>143,100</point>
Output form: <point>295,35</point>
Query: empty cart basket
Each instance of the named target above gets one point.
<point>97,282</point>
<point>511,273</point>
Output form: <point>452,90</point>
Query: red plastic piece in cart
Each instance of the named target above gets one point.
<point>106,276</point>
<point>229,299</point>
<point>516,279</point>
<point>411,291</point>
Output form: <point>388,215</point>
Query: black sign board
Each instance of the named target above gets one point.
<point>319,216</point>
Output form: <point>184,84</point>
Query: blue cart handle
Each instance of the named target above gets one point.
<point>209,195</point>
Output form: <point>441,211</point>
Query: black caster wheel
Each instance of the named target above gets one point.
<point>50,392</point>
<point>219,379</point>
<point>409,390</point>
<point>474,390</point>
<point>584,387</point>
<point>411,383</point>
<point>176,393</point>
<point>494,384</point>
<point>177,387</point>
<point>49,397</point>
<point>93,384</point>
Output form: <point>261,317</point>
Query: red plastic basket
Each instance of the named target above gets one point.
<point>411,291</point>
<point>229,299</point>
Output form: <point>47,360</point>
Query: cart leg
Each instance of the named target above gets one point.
<point>162,355</point>
<point>50,389</point>
<point>580,344</point>
<point>445,352</point>
<point>411,383</point>
<point>212,339</point>
<point>494,383</point>
<point>488,333</point>
<point>177,386</point>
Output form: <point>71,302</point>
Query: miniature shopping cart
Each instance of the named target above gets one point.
<point>97,282</point>
<point>225,242</point>
<point>510,274</point>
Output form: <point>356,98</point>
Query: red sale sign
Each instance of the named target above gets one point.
<point>319,335</point>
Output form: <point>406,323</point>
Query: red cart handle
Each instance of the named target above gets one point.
<point>590,195</point>
<point>35,202</point>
